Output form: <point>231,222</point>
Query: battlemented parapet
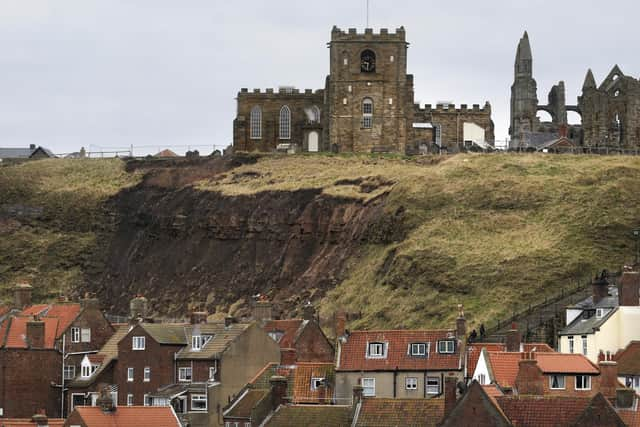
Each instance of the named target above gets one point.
<point>270,92</point>
<point>452,109</point>
<point>353,35</point>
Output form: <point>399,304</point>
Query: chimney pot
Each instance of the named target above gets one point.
<point>278,390</point>
<point>262,310</point>
<point>513,339</point>
<point>199,317</point>
<point>228,321</point>
<point>340,323</point>
<point>22,295</point>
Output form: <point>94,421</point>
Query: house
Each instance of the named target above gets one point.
<point>300,340</point>
<point>629,365</point>
<point>399,363</point>
<point>33,152</point>
<point>107,414</point>
<point>52,337</point>
<point>607,321</point>
<point>37,420</point>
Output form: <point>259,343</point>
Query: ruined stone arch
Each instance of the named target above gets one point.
<point>547,110</point>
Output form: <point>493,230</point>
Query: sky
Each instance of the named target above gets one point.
<point>165,73</point>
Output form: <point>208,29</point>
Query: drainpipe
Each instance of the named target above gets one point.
<point>395,380</point>
<point>424,388</point>
<point>62,388</point>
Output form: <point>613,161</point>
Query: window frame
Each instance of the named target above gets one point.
<point>75,334</point>
<point>413,351</point>
<point>585,345</point>
<point>588,383</point>
<point>284,122</point>
<point>367,113</point>
<point>448,343</point>
<point>199,397</point>
<point>212,373</point>
<point>427,385</point>
<point>183,378</point>
<point>66,368</point>
<point>136,341</point>
<point>315,381</point>
<point>411,383</point>
<point>562,386</point>
<point>130,374</point>
<point>146,377</point>
<point>571,343</point>
<point>85,371</point>
<point>146,401</point>
<point>255,122</point>
<point>85,335</point>
<point>374,345</point>
<point>371,387</point>
<point>129,399</point>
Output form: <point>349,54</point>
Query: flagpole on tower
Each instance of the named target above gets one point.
<point>367,13</point>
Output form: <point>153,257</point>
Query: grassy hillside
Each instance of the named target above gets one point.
<point>490,231</point>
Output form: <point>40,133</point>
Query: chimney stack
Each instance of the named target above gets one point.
<point>22,295</point>
<point>262,310</point>
<point>340,323</point>
<point>608,378</point>
<point>529,379</point>
<point>90,302</point>
<point>138,308</point>
<point>198,317</point>
<point>105,401</point>
<point>513,339</point>
<point>450,385</point>
<point>278,390</point>
<point>600,287</point>
<point>308,311</point>
<point>629,289</point>
<point>40,418</point>
<point>35,333</point>
<point>288,356</point>
<point>461,324</point>
<point>228,321</point>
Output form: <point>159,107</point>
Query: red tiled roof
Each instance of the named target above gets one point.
<point>34,310</point>
<point>302,374</point>
<point>492,390</point>
<point>17,333</point>
<point>4,309</point>
<point>629,359</point>
<point>65,313</point>
<point>537,411</point>
<point>630,417</point>
<point>288,327</point>
<point>25,422</point>
<point>96,359</point>
<point>473,354</point>
<point>551,363</point>
<point>125,416</point>
<point>504,367</point>
<point>400,412</point>
<point>538,347</point>
<point>353,351</point>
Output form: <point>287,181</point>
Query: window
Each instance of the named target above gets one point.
<point>570,343</point>
<point>482,379</point>
<point>129,374</point>
<point>212,373</point>
<point>391,58</point>
<point>69,372</point>
<point>86,371</point>
<point>147,374</point>
<point>583,382</point>
<point>367,61</point>
<point>138,343</point>
<point>433,385</point>
<point>276,335</point>
<point>316,383</point>
<point>446,346</point>
<point>411,383</point>
<point>129,399</point>
<point>75,334</point>
<point>147,400</point>
<point>556,382</point>
<point>198,402</point>
<point>255,123</point>
<point>184,374</point>
<point>85,335</point>
<point>599,312</point>
<point>369,387</point>
<point>584,345</point>
<point>376,350</point>
<point>315,114</point>
<point>419,349</point>
<point>285,123</point>
<point>367,113</point>
<point>199,341</point>
<point>438,134</point>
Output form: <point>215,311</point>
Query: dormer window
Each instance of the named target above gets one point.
<point>276,335</point>
<point>199,341</point>
<point>418,349</point>
<point>446,346</point>
<point>600,312</point>
<point>317,382</point>
<point>376,350</point>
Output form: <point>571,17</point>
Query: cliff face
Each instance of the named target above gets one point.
<point>183,247</point>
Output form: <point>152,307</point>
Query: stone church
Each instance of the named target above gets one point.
<point>610,112</point>
<point>367,105</point>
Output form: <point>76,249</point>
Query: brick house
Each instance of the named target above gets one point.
<point>37,420</point>
<point>629,365</point>
<point>53,337</point>
<point>399,363</point>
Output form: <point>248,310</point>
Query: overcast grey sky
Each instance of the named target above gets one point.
<point>165,72</point>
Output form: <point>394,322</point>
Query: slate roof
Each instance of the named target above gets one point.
<point>125,416</point>
<point>310,416</point>
<point>222,337</point>
<point>375,412</point>
<point>166,333</point>
<point>581,326</point>
<point>353,351</point>
<point>538,411</point>
<point>22,153</point>
<point>629,359</point>
<point>246,403</point>
<point>610,301</point>
<point>291,329</point>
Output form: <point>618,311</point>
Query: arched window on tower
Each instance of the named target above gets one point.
<point>315,114</point>
<point>367,113</point>
<point>255,123</point>
<point>367,61</point>
<point>285,123</point>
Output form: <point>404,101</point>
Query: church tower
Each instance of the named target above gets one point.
<point>524,99</point>
<point>369,96</point>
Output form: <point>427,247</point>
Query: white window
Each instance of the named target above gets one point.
<point>344,101</point>
<point>419,349</point>
<point>285,123</point>
<point>184,374</point>
<point>138,343</point>
<point>129,399</point>
<point>85,335</point>
<point>212,373</point>
<point>376,350</point>
<point>482,379</point>
<point>255,123</point>
<point>599,312</point>
<point>369,387</point>
<point>584,345</point>
<point>556,382</point>
<point>75,334</point>
<point>86,371</point>
<point>446,346</point>
<point>438,133</point>
<point>147,374</point>
<point>433,385</point>
<point>129,374</point>
<point>570,344</point>
<point>390,101</point>
<point>345,61</point>
<point>276,335</point>
<point>146,399</point>
<point>411,383</point>
<point>69,372</point>
<point>315,114</point>
<point>247,424</point>
<point>317,382</point>
<point>367,113</point>
<point>391,58</point>
<point>198,402</point>
<point>196,343</point>
<point>583,382</point>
